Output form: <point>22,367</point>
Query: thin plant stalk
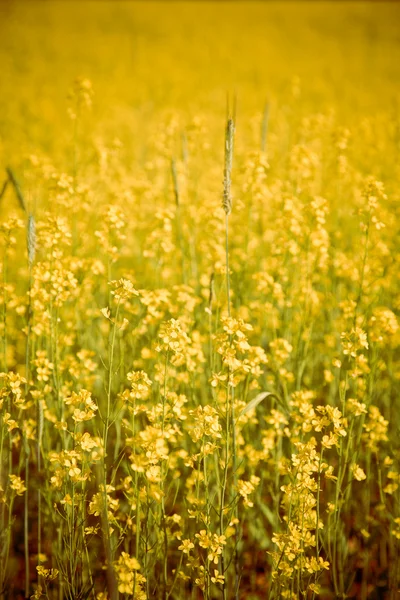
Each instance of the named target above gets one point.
<point>227,206</point>
<point>175,183</point>
<point>111,578</point>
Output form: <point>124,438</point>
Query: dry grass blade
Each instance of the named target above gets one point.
<point>256,401</point>
<point>17,189</point>
<point>4,188</point>
<point>175,181</point>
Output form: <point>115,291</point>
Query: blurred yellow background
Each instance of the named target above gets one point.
<point>188,55</point>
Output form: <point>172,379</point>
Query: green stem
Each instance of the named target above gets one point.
<point>111,578</point>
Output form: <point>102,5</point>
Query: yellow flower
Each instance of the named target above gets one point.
<point>217,577</point>
<point>123,289</point>
<point>38,593</point>
<point>353,341</point>
<point>86,442</point>
<point>106,312</point>
<point>186,546</point>
<point>315,587</point>
<point>358,473</point>
<point>11,424</point>
<point>66,500</point>
<point>329,474</point>
<point>17,484</point>
<point>204,539</point>
<point>48,574</point>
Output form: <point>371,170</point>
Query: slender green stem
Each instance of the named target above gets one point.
<point>26,443</point>
<point>111,578</point>
<point>163,476</point>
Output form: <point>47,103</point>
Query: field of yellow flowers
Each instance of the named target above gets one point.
<point>199,300</point>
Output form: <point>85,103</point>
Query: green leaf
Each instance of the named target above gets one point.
<point>271,517</point>
<point>255,402</point>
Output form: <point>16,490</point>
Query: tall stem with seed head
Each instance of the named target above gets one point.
<point>31,247</point>
<point>227,206</point>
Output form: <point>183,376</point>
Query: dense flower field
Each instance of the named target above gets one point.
<point>199,300</point>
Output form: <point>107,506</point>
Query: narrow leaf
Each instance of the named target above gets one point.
<point>3,189</point>
<point>17,189</point>
<point>255,402</point>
